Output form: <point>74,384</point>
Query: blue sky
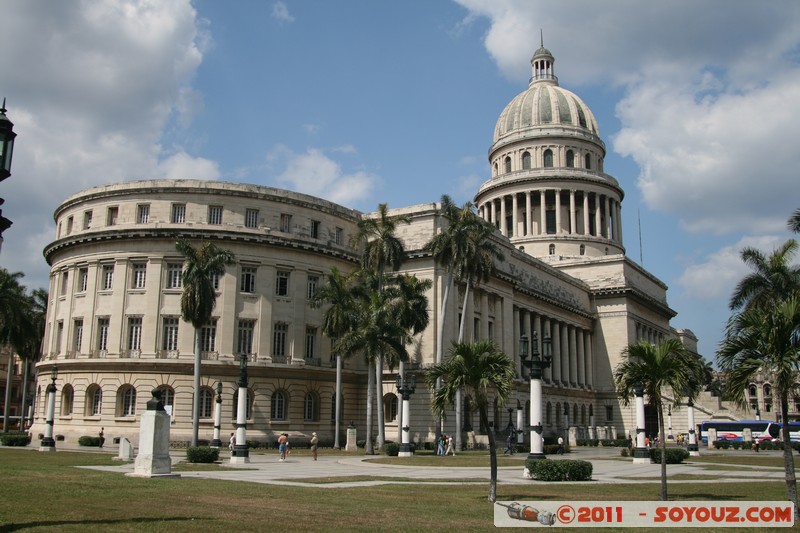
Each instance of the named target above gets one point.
<point>365,101</point>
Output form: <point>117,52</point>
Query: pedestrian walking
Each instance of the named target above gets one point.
<point>232,442</point>
<point>560,445</point>
<point>450,447</point>
<point>102,437</point>
<point>314,442</point>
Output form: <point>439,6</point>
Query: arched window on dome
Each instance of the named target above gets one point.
<point>526,161</point>
<point>495,169</point>
<point>570,159</point>
<point>588,161</point>
<point>548,158</point>
<point>552,249</point>
<point>508,164</point>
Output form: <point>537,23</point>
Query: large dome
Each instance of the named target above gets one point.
<point>544,105</point>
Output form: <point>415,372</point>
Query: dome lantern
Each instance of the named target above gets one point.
<point>542,65</point>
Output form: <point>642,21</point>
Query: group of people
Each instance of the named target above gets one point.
<point>445,445</point>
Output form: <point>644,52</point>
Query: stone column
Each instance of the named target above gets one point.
<point>565,356</point>
<point>558,211</point>
<point>573,356</point>
<point>528,214</point>
<point>514,215</point>
<point>589,360</point>
<point>555,336</point>
<point>598,221</point>
<point>542,212</point>
<point>608,217</point>
<point>586,212</point>
<point>572,217</point>
<point>503,224</point>
<point>581,359</point>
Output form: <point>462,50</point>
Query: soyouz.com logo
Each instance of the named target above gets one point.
<point>643,514</point>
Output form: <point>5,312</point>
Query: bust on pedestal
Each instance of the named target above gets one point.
<point>153,458</point>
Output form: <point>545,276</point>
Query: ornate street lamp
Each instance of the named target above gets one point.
<point>47,443</point>
<point>406,385</point>
<point>216,442</point>
<point>536,366</point>
<point>240,453</point>
<point>670,436</point>
<point>692,447</point>
<point>6,152</point>
<point>520,425</point>
<point>640,453</point>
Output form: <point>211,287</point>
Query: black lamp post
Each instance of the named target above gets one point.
<point>536,366</point>
<point>48,444</point>
<point>216,442</point>
<point>6,152</point>
<point>406,385</point>
<point>241,453</point>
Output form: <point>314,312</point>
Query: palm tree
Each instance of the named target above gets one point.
<point>655,368</point>
<point>765,340</point>
<point>199,296</point>
<point>37,318</point>
<point>339,318</point>
<point>382,250</point>
<point>772,278</point>
<point>480,369</point>
<point>15,328</point>
<point>794,222</point>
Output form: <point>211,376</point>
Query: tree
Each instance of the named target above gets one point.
<point>772,278</point>
<point>765,340</point>
<point>31,352</point>
<point>382,250</point>
<point>656,368</point>
<point>480,369</point>
<point>203,265</point>
<point>794,222</point>
<point>14,326</point>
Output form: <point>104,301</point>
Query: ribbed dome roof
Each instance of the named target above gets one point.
<point>544,105</point>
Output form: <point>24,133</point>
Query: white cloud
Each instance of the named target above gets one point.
<point>280,11</point>
<point>315,173</point>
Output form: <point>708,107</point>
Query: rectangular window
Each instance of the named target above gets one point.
<point>214,281</point>
<point>251,218</point>
<point>83,279</point>
<point>108,277</point>
<point>178,213</point>
<point>279,339</point>
<point>77,336</point>
<point>245,336</point>
<point>248,281</point>
<point>64,283</point>
<point>339,236</point>
<point>282,283</point>
<point>170,333</point>
<point>112,215</point>
<point>139,276</point>
<point>174,276</point>
<point>286,223</point>
<point>143,213</point>
<point>313,281</point>
<point>87,220</point>
<point>69,225</point>
<point>215,214</point>
<point>609,413</point>
<point>102,333</point>
<point>135,333</point>
<point>59,335</point>
<point>491,331</point>
<point>208,335</point>
<point>550,221</point>
<point>311,342</point>
<point>315,229</point>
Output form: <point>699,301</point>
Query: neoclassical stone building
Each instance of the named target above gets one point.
<point>114,328</point>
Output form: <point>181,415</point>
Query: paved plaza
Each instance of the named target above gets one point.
<point>608,467</point>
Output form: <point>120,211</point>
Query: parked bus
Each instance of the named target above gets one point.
<point>734,430</point>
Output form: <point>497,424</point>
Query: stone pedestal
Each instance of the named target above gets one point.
<point>153,458</point>
<point>352,435</point>
<point>125,450</point>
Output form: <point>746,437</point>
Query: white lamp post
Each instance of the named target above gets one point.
<point>216,442</point>
<point>240,453</point>
<point>48,444</point>
<point>406,388</point>
<point>536,366</point>
<point>692,447</point>
<point>640,453</point>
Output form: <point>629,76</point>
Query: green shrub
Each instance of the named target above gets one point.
<point>86,440</point>
<point>201,454</point>
<point>736,444</point>
<point>674,455</point>
<point>391,449</point>
<point>624,452</point>
<point>587,442</point>
<point>614,443</point>
<point>552,449</point>
<point>15,439</point>
<point>564,470</point>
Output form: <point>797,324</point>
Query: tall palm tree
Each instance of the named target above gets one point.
<point>199,296</point>
<point>657,368</point>
<point>14,325</point>
<point>338,318</point>
<point>382,249</point>
<point>794,222</point>
<point>480,369</point>
<point>773,277</point>
<point>765,340</point>
<point>37,318</point>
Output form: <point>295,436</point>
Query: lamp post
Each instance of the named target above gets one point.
<point>6,152</point>
<point>240,453</point>
<point>536,366</point>
<point>520,425</point>
<point>670,436</point>
<point>406,388</point>
<point>640,453</point>
<point>692,447</point>
<point>216,442</point>
<point>47,443</point>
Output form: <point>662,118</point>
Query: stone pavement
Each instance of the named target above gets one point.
<point>608,467</point>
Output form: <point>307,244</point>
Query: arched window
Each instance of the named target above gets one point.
<point>767,391</point>
<point>558,415</point>
<point>552,249</point>
<point>279,407</point>
<point>548,158</point>
<point>588,161</point>
<point>311,407</point>
<point>752,391</point>
<point>206,402</point>
<point>126,401</point>
<point>94,400</point>
<point>526,160</point>
<point>67,399</point>
<point>248,404</point>
<point>570,159</point>
<point>390,407</point>
<point>333,408</point>
<point>583,249</point>
<point>508,164</point>
<point>583,415</point>
<point>548,414</point>
<point>574,413</point>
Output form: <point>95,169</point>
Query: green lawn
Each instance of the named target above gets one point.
<point>45,492</point>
